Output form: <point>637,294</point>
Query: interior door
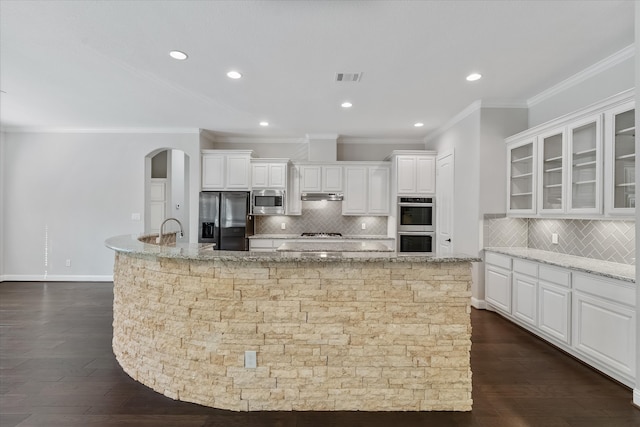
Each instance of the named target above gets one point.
<point>444,204</point>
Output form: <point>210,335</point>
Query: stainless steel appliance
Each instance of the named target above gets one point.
<point>416,225</point>
<point>225,220</point>
<point>416,214</point>
<point>268,202</point>
<point>314,197</point>
<point>417,241</point>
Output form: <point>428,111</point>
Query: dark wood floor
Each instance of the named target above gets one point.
<point>57,369</point>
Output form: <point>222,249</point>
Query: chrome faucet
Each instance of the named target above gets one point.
<point>162,226</point>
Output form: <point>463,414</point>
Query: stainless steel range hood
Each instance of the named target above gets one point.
<point>334,197</point>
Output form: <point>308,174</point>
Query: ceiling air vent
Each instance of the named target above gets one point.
<point>348,77</point>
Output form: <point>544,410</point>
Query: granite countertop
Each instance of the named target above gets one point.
<point>196,251</point>
<point>609,269</point>
<point>344,237</point>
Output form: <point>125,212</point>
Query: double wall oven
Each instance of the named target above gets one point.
<point>416,224</point>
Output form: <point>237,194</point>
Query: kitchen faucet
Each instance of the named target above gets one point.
<point>162,226</point>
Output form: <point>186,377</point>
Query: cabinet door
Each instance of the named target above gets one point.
<point>521,182</point>
<point>213,171</point>
<point>260,175</point>
<point>332,178</point>
<point>293,194</point>
<point>620,193</point>
<point>498,288</point>
<point>605,331</point>
<point>525,298</point>
<point>378,191</point>
<point>585,167</point>
<point>426,174</point>
<point>552,176</point>
<point>238,176</point>
<point>310,179</point>
<point>355,190</point>
<point>554,310</point>
<point>277,175</point>
<point>406,174</point>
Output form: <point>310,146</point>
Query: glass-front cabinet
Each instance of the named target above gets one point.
<point>552,166</point>
<point>522,175</point>
<point>585,168</point>
<point>621,182</point>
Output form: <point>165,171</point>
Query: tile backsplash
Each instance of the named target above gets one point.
<point>600,239</point>
<point>322,217</point>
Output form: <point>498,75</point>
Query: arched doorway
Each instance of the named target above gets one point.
<point>166,190</point>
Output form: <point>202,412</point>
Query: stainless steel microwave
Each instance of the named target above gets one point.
<point>268,202</point>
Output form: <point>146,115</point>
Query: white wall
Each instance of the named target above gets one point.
<point>610,81</point>
<point>67,193</point>
<point>480,176</point>
<point>2,205</point>
<point>636,391</point>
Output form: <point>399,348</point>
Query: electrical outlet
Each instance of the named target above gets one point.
<point>250,359</point>
<point>283,226</point>
<point>68,263</point>
<point>554,238</point>
<point>364,225</point>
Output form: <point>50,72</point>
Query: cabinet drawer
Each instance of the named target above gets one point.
<point>498,260</point>
<point>610,289</point>
<point>557,276</point>
<point>525,267</point>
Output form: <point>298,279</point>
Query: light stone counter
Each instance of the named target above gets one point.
<point>365,334</point>
<point>612,270</point>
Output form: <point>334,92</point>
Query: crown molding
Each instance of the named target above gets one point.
<point>380,141</point>
<point>593,70</point>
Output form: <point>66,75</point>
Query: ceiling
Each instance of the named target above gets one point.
<point>105,64</point>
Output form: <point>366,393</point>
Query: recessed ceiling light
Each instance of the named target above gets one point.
<point>473,77</point>
<point>176,54</point>
<point>418,125</point>
<point>234,75</point>
<point>346,104</point>
<point>264,123</point>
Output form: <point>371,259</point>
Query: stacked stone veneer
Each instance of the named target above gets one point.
<point>369,336</point>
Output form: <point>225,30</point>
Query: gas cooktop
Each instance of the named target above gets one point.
<point>321,235</point>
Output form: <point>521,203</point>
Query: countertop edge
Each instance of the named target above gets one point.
<point>592,266</point>
<point>130,245</point>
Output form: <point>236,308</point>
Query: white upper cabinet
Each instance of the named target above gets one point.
<point>226,170</point>
<point>551,189</point>
<point>366,190</point>
<point>521,158</point>
<point>584,188</point>
<point>620,186</point>
<point>578,166</point>
<point>415,173</point>
<point>294,203</point>
<point>320,178</point>
<point>269,173</point>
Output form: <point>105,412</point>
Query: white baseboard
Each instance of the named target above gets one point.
<point>480,304</point>
<point>636,397</point>
<point>55,278</point>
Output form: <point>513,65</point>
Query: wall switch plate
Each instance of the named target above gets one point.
<point>283,226</point>
<point>135,217</point>
<point>554,238</point>
<point>250,359</point>
<point>68,263</point>
<point>364,225</point>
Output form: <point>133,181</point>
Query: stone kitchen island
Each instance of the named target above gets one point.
<point>359,331</point>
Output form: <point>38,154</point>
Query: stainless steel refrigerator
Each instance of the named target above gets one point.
<point>225,220</point>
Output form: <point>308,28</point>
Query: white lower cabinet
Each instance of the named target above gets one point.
<point>554,308</point>
<point>589,316</point>
<point>525,289</point>
<point>498,281</point>
<point>604,323</point>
